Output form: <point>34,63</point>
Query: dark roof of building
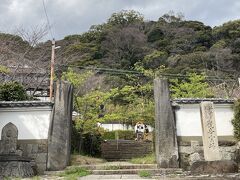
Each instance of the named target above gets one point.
<point>4,104</point>
<point>199,100</point>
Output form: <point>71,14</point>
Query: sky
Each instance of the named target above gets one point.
<point>76,16</point>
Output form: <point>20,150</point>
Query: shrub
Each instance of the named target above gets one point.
<point>144,173</point>
<point>4,69</point>
<point>148,159</point>
<point>122,134</point>
<point>74,173</point>
<point>86,144</point>
<point>236,120</point>
<point>12,91</point>
<point>90,143</point>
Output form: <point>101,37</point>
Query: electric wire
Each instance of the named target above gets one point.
<point>48,22</point>
<point>140,74</point>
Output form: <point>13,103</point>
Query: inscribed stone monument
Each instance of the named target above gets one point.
<point>209,132</point>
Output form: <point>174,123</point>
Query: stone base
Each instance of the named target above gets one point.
<point>16,169</point>
<point>214,167</point>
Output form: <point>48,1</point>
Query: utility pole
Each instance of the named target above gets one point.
<point>52,70</point>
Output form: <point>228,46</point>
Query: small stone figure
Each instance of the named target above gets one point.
<point>9,139</point>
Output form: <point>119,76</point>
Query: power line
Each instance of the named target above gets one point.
<point>137,73</point>
<point>48,22</point>
<point>105,69</point>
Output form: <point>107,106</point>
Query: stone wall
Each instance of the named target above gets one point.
<point>114,150</point>
<point>190,152</point>
<point>37,150</point>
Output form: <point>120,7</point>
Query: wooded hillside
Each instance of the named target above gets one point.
<point>126,39</point>
<point>170,45</point>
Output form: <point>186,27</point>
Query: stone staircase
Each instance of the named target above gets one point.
<point>125,168</point>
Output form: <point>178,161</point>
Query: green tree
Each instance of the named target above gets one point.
<point>125,18</point>
<point>12,91</point>
<point>77,80</point>
<point>155,59</point>
<point>123,47</point>
<point>229,30</point>
<point>193,87</point>
<point>90,110</point>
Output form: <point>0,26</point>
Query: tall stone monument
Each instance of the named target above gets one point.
<point>165,131</point>
<point>209,132</point>
<point>59,138</point>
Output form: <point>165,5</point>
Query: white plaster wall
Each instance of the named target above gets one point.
<point>32,123</point>
<point>113,127</point>
<point>188,120</point>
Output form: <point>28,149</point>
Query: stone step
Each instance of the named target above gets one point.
<point>115,168</point>
<point>136,171</point>
<point>120,166</point>
<point>52,173</point>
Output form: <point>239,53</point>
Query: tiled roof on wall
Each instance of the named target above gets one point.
<point>24,104</point>
<point>199,100</point>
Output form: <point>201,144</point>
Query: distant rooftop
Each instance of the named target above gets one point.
<point>199,100</point>
<point>24,104</point>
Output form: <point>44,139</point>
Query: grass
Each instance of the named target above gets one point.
<point>74,173</point>
<point>144,173</point>
<point>77,159</point>
<point>148,159</point>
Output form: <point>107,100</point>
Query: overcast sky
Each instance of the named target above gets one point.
<point>76,16</point>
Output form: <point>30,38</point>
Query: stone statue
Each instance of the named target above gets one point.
<point>12,164</point>
<point>9,139</point>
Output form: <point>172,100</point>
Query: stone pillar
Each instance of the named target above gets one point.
<point>165,132</point>
<point>59,138</point>
<point>209,132</point>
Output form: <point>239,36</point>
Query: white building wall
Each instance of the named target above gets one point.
<point>188,121</point>
<point>32,122</point>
